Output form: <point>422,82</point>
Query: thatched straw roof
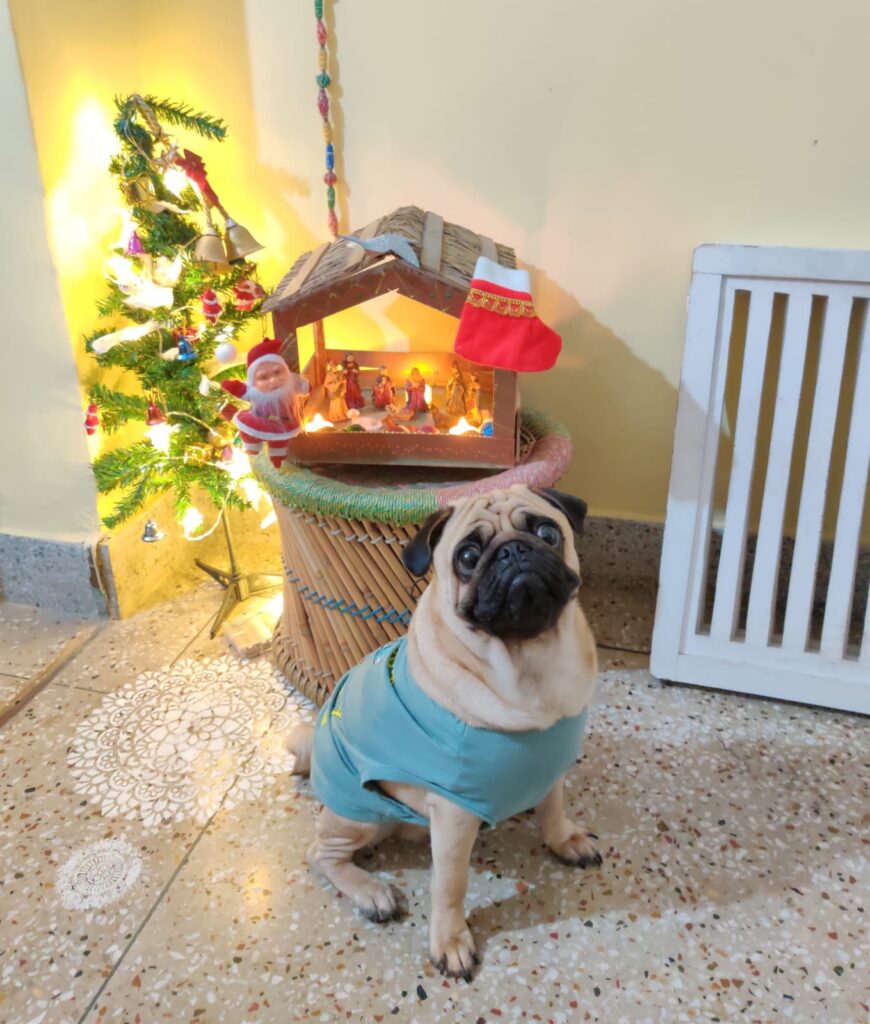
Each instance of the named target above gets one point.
<point>447,254</point>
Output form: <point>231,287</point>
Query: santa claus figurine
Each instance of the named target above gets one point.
<point>275,394</point>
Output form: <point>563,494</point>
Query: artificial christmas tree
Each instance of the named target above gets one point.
<point>178,298</point>
<point>183,292</point>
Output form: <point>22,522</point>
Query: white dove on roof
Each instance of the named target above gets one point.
<point>391,242</point>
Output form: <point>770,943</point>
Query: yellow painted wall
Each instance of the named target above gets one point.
<point>603,140</point>
<point>46,486</point>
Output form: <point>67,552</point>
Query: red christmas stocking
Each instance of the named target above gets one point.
<point>499,327</point>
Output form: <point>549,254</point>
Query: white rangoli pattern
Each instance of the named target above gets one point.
<point>97,874</point>
<point>169,746</point>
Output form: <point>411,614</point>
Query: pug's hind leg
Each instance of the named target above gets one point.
<point>567,840</point>
<point>331,855</point>
<point>451,944</point>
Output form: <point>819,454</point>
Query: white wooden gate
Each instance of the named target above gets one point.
<point>786,334</point>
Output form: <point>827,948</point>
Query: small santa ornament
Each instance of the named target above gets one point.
<point>246,293</point>
<point>211,307</point>
<point>275,394</point>
<point>92,420</point>
<point>498,325</point>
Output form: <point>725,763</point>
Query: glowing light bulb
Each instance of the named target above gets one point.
<point>238,466</point>
<point>191,521</point>
<point>427,394</point>
<point>317,423</point>
<point>251,490</point>
<point>160,434</point>
<point>462,427</point>
<point>175,180</point>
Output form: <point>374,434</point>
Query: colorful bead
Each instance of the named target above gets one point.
<point>327,131</point>
<point>332,222</point>
<point>322,60</point>
<point>323,103</point>
<point>330,196</point>
<point>330,178</point>
<point>318,9</point>
<point>330,156</point>
<point>321,32</point>
<point>323,80</point>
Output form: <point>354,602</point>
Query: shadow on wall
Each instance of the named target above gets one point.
<point>606,394</point>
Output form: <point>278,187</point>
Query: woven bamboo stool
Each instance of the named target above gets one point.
<point>346,591</point>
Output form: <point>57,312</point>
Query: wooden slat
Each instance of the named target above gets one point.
<point>729,578</point>
<point>765,570</point>
<point>816,469</point>
<point>702,387</point>
<point>357,253</point>
<point>488,249</point>
<point>303,273</point>
<point>709,302</point>
<point>838,606</point>
<point>430,247</point>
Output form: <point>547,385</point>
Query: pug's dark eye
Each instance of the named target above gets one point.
<point>466,558</point>
<point>549,534</point>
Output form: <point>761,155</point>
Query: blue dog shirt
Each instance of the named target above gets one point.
<point>379,725</point>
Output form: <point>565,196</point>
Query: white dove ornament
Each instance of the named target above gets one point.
<point>391,242</point>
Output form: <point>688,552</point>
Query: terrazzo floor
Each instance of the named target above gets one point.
<point>152,851</point>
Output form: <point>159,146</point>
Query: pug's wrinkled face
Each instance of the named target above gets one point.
<point>509,556</point>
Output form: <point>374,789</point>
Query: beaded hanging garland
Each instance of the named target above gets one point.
<point>323,83</point>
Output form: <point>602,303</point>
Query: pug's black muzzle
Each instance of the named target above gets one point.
<point>522,588</point>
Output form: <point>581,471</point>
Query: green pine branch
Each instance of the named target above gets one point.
<point>182,115</point>
<point>117,408</point>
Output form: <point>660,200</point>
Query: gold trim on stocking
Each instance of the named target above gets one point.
<point>500,304</point>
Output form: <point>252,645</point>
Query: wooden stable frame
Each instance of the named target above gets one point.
<point>336,277</point>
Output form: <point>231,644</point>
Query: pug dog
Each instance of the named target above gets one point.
<point>474,716</point>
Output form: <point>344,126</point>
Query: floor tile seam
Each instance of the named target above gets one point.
<point>192,640</point>
<point>71,649</point>
<point>150,913</point>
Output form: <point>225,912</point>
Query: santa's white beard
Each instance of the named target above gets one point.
<point>277,402</point>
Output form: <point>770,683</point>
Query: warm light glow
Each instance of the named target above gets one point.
<point>251,490</point>
<point>427,394</point>
<point>268,519</point>
<point>128,226</point>
<point>191,521</point>
<point>175,180</point>
<point>160,434</point>
<point>318,423</point>
<point>80,203</point>
<point>238,466</point>
<point>463,427</point>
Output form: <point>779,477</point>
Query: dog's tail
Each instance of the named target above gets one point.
<point>299,743</point>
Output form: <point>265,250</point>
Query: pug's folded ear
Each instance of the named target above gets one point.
<point>574,509</point>
<point>417,555</point>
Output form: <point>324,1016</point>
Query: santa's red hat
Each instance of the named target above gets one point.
<point>267,351</point>
<point>498,325</point>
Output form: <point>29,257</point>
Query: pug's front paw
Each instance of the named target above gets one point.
<point>380,901</point>
<point>572,846</point>
<point>454,955</point>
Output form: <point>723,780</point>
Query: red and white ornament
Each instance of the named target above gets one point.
<point>246,293</point>
<point>92,420</point>
<point>211,307</point>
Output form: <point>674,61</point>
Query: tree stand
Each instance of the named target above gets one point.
<point>239,586</point>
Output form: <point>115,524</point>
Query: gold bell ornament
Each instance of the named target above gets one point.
<point>238,240</point>
<point>209,248</point>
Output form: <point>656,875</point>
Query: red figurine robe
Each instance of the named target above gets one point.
<point>353,392</point>
<point>416,388</point>
<point>383,392</point>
